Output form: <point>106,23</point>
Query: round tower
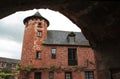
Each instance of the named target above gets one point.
<point>34,34</point>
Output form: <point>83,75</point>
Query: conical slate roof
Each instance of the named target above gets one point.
<point>37,15</point>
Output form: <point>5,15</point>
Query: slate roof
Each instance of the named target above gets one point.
<point>37,15</point>
<point>8,60</point>
<point>60,38</point>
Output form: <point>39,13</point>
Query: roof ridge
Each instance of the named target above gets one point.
<point>9,58</point>
<point>64,31</point>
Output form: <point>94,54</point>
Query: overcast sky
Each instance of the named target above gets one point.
<point>12,30</point>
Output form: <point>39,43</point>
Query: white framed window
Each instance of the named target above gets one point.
<point>39,34</point>
<point>68,75</point>
<point>38,55</point>
<point>53,53</point>
<point>89,75</point>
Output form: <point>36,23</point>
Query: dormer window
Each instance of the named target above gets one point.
<point>71,37</point>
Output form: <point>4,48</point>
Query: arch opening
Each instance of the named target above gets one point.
<point>12,29</point>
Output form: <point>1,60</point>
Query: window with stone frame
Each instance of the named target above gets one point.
<point>38,55</point>
<point>53,52</point>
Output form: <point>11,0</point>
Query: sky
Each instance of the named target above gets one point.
<point>12,29</point>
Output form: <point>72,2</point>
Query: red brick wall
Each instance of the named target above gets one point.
<point>83,53</point>
<point>59,75</point>
<point>32,43</point>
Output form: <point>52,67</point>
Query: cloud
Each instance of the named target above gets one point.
<point>12,32</point>
<point>11,49</point>
<point>58,21</point>
<point>12,29</point>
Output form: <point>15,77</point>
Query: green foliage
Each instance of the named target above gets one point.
<point>52,67</point>
<point>78,68</point>
<point>4,75</point>
<point>28,67</point>
<point>44,68</point>
<point>18,66</point>
<point>6,70</point>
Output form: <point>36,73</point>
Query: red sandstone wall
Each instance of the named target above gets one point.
<point>83,53</point>
<point>61,75</point>
<point>32,43</point>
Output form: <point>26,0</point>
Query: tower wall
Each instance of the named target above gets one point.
<point>32,42</point>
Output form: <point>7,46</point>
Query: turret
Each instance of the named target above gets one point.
<point>35,33</point>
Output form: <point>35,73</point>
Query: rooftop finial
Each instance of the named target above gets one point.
<point>37,14</point>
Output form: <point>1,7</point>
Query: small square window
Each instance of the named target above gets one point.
<point>39,33</point>
<point>38,55</point>
<point>39,25</point>
<point>53,53</point>
<point>89,75</point>
<point>68,75</point>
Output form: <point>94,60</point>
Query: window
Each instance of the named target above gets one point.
<point>72,56</point>
<point>71,37</point>
<point>68,75</point>
<point>9,65</point>
<point>89,75</point>
<point>37,75</point>
<point>3,65</point>
<point>51,75</point>
<point>39,25</point>
<point>38,55</point>
<point>14,66</point>
<point>39,34</point>
<point>53,53</point>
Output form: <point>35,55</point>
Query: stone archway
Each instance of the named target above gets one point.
<point>99,22</point>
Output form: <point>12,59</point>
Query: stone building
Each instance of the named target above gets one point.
<point>8,63</point>
<point>50,54</point>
